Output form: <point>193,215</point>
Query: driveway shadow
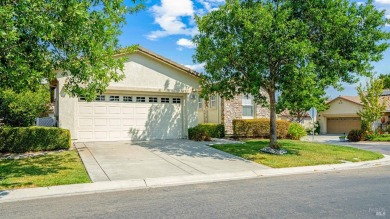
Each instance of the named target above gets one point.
<point>3,193</point>
<point>181,148</point>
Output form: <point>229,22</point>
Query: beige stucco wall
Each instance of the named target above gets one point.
<point>143,74</point>
<point>337,108</point>
<point>66,109</point>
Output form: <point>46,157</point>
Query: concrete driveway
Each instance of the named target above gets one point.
<point>381,147</point>
<point>124,160</point>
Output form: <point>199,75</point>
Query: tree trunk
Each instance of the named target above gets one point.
<point>273,136</point>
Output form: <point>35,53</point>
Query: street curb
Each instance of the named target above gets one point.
<point>121,185</point>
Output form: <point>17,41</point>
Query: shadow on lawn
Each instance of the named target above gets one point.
<point>29,167</point>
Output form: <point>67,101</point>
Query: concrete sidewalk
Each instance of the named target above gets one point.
<point>109,186</point>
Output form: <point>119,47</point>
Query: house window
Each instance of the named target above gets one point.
<point>140,99</point>
<point>176,100</point>
<point>200,103</point>
<point>100,98</point>
<point>164,100</point>
<point>213,102</point>
<point>247,106</point>
<point>152,99</point>
<point>114,98</point>
<point>127,99</point>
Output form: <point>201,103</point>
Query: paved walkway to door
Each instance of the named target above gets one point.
<point>123,160</point>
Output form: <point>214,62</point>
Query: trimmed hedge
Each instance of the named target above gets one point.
<point>254,128</point>
<point>25,139</point>
<point>204,132</point>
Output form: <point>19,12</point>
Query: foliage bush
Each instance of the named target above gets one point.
<point>204,132</point>
<point>370,135</point>
<point>24,139</point>
<point>356,135</point>
<point>21,109</point>
<point>250,128</point>
<point>296,131</point>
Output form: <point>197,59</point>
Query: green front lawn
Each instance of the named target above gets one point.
<point>299,153</point>
<point>383,137</point>
<point>49,170</point>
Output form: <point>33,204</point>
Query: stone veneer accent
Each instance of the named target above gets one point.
<point>232,109</point>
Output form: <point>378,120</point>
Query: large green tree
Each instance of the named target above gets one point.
<point>373,107</point>
<point>274,45</point>
<point>76,38</point>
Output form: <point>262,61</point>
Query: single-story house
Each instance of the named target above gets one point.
<point>157,99</point>
<point>341,116</point>
<point>221,111</point>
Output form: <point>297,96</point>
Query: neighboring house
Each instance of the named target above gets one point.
<point>341,116</point>
<point>221,111</point>
<point>306,120</point>
<point>157,99</point>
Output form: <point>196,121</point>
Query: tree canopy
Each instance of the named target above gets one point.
<point>386,80</point>
<point>284,45</point>
<point>76,38</point>
<point>373,107</point>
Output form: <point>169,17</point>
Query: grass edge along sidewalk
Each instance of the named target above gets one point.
<point>55,168</point>
<point>299,153</point>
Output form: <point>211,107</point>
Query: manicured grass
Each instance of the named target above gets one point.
<point>49,170</point>
<point>299,153</point>
<point>384,137</point>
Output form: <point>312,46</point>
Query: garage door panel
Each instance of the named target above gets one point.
<point>128,110</point>
<point>129,120</point>
<point>100,110</point>
<point>100,121</point>
<point>115,110</point>
<point>342,125</point>
<point>85,110</point>
<point>101,135</point>
<point>85,135</point>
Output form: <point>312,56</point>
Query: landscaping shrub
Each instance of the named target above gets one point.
<point>204,132</point>
<point>20,140</point>
<point>21,109</point>
<point>356,135</point>
<point>296,131</point>
<point>259,128</point>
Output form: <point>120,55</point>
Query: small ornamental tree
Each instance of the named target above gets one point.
<point>40,38</point>
<point>273,45</point>
<point>373,107</point>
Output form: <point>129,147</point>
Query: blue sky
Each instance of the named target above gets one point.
<point>167,27</point>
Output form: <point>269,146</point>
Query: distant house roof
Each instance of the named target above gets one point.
<point>163,59</point>
<point>386,92</point>
<point>353,99</point>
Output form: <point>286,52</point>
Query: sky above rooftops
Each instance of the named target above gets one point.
<point>167,27</point>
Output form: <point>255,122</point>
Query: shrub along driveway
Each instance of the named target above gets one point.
<point>124,160</point>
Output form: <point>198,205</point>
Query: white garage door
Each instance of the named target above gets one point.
<point>136,117</point>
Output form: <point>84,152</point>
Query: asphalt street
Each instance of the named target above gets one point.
<point>361,193</point>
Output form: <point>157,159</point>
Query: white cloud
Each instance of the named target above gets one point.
<point>383,1</point>
<point>169,15</point>
<point>176,17</point>
<point>196,67</point>
<point>210,5</point>
<point>186,43</point>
